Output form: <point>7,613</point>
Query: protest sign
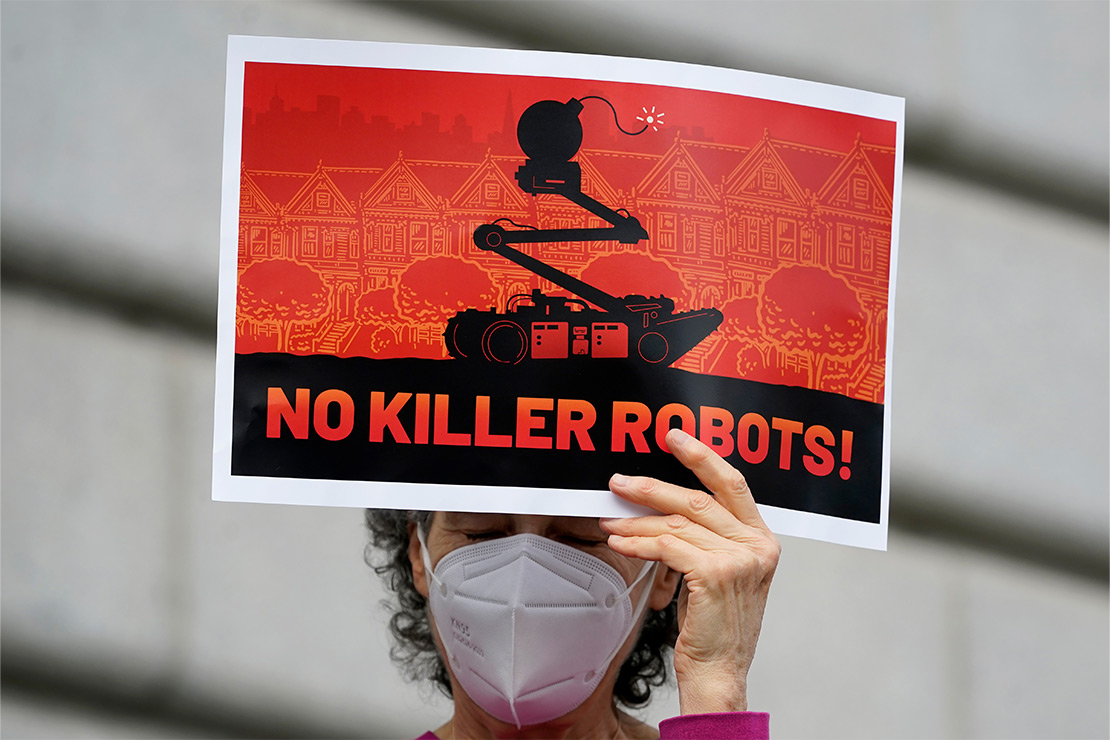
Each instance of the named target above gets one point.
<point>485,280</point>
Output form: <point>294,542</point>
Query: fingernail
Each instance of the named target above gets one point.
<point>620,481</point>
<point>679,437</point>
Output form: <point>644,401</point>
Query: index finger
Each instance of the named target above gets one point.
<point>725,482</point>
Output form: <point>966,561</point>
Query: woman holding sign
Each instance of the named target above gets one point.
<point>542,626</point>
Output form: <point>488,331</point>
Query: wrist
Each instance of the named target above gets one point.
<point>710,692</point>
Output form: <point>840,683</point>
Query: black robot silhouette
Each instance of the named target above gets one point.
<point>535,326</point>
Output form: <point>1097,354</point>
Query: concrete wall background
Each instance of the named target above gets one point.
<point>133,606</point>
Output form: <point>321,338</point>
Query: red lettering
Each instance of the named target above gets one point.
<point>846,454</point>
<point>789,429</point>
<point>716,429</point>
<point>440,434</point>
<point>346,415</point>
<point>423,406</point>
<point>630,419</point>
<point>278,409</point>
<point>744,428</point>
<point>526,422</point>
<point>383,417</point>
<point>663,422</point>
<point>821,462</point>
<point>567,423</point>
<point>482,437</point>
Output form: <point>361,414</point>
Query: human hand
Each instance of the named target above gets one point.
<point>728,557</point>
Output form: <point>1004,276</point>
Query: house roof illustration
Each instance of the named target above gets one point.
<point>306,202</point>
<point>662,182</point>
<point>253,201</point>
<point>763,174</point>
<point>779,173</point>
<point>856,186</point>
<point>882,159</point>
<point>400,188</point>
<point>278,187</point>
<point>472,193</point>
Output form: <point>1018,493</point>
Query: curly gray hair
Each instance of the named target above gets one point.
<point>414,647</point>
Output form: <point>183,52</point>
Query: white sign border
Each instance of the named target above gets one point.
<point>243,49</point>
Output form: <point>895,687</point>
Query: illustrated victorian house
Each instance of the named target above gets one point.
<point>399,219</point>
<point>490,189</point>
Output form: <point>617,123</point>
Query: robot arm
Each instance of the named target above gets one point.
<point>550,134</point>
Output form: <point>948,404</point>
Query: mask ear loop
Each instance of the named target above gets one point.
<point>429,574</point>
<point>641,602</point>
<point>649,565</point>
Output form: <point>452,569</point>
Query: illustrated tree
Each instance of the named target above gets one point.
<point>377,312</point>
<point>636,273</point>
<point>285,292</point>
<point>401,320</point>
<point>434,289</point>
<point>748,346</point>
<point>376,306</point>
<point>809,311</point>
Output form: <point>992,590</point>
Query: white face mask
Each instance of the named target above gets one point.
<point>529,625</point>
